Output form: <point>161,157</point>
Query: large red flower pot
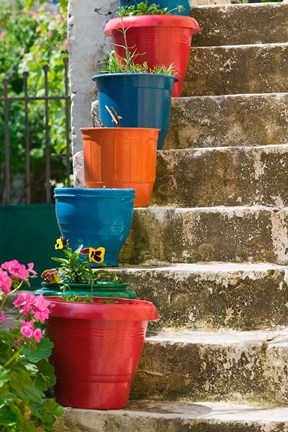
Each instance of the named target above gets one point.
<point>157,40</point>
<point>97,348</point>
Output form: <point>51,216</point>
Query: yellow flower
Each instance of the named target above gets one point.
<point>60,243</point>
<point>97,255</point>
<point>51,276</point>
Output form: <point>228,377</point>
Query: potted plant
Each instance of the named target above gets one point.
<point>108,333</point>
<point>90,217</point>
<point>161,39</point>
<point>140,95</point>
<point>111,158</point>
<point>75,276</point>
<point>97,348</point>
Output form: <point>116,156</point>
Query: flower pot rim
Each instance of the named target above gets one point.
<point>88,192</point>
<point>152,21</point>
<point>118,129</point>
<point>133,75</point>
<point>86,286</point>
<point>123,310</point>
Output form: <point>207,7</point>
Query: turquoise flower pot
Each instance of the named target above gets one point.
<point>100,289</point>
<point>94,218</point>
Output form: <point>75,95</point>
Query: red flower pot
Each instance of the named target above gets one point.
<point>157,39</point>
<point>97,348</point>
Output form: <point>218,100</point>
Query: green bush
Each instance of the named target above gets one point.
<point>30,41</point>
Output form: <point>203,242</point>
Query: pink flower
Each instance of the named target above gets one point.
<point>2,317</point>
<point>24,301</point>
<point>37,335</point>
<point>40,308</point>
<point>27,329</point>
<point>31,269</point>
<point>15,269</point>
<point>5,282</point>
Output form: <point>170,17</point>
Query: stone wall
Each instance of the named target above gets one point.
<point>87,47</point>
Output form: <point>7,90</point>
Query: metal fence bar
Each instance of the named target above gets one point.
<point>47,138</point>
<point>27,140</point>
<point>67,116</point>
<point>7,100</point>
<point>7,180</point>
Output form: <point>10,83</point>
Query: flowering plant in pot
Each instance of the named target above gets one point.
<point>76,278</point>
<point>25,374</point>
<point>109,336</point>
<point>169,36</point>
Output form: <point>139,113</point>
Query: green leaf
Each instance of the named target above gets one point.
<point>4,376</point>
<point>45,377</point>
<point>42,350</point>
<point>23,386</point>
<point>7,418</point>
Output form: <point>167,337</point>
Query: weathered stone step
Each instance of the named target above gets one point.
<point>233,120</point>
<point>232,366</point>
<point>214,295</point>
<point>222,176</point>
<point>229,234</point>
<point>241,24</point>
<point>237,70</point>
<point>157,416</point>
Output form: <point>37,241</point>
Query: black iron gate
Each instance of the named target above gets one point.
<point>26,99</point>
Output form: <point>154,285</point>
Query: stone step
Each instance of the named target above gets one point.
<point>233,120</point>
<point>224,366</point>
<point>237,70</point>
<point>186,235</point>
<point>157,416</point>
<point>214,295</point>
<point>241,24</point>
<point>222,176</point>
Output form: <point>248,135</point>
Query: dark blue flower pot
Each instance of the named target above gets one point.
<point>141,99</point>
<point>95,217</point>
<point>171,5</point>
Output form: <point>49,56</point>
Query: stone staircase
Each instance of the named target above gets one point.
<point>212,250</point>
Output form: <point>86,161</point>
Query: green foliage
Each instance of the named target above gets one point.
<point>143,8</point>
<point>33,39</point>
<point>25,375</point>
<point>62,3</point>
<point>127,65</point>
<point>74,269</point>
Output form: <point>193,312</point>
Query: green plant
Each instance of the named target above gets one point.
<point>74,269</point>
<point>25,373</point>
<point>126,64</point>
<point>143,8</point>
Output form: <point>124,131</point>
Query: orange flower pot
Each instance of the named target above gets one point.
<point>121,158</point>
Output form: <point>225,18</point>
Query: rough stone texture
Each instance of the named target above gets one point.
<point>214,295</point>
<point>236,234</point>
<point>241,24</point>
<point>237,69</point>
<point>87,49</point>
<point>211,366</point>
<point>78,169</point>
<point>158,416</point>
<point>222,176</point>
<point>234,120</point>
